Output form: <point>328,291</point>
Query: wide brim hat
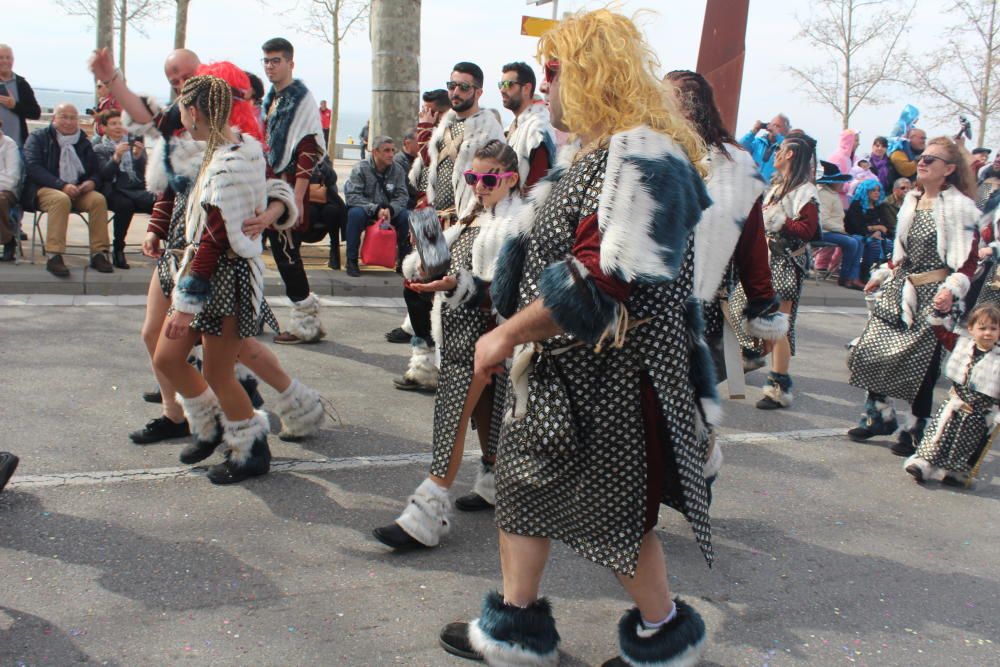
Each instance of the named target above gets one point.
<point>831,173</point>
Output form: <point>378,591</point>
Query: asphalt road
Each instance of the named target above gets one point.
<point>114,554</point>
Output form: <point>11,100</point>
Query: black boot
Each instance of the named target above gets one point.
<point>8,464</point>
<point>247,453</point>
<point>118,260</point>
<point>484,492</point>
<point>352,269</point>
<point>200,449</point>
<point>334,262</point>
<point>909,439</point>
<point>506,634</point>
<point>8,251</point>
<point>158,430</point>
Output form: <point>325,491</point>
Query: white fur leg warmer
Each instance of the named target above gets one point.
<point>422,368</point>
<point>202,413</point>
<point>927,469</point>
<point>485,485</point>
<point>714,463</point>
<point>300,409</point>
<point>774,392</point>
<point>425,518</point>
<point>305,322</point>
<point>244,373</point>
<point>239,436</point>
<point>406,326</point>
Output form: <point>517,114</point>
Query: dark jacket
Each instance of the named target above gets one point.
<point>110,171</point>
<point>858,220</point>
<point>370,190</point>
<point>26,106</point>
<point>41,163</point>
<point>324,174</point>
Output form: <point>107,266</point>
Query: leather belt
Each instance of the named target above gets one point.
<point>928,277</point>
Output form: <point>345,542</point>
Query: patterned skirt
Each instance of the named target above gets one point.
<point>990,293</point>
<point>955,445</point>
<point>232,295</point>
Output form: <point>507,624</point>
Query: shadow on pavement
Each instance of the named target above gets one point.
<point>31,640</point>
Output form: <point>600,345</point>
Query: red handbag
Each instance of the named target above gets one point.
<point>379,245</point>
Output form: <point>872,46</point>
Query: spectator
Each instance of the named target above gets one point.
<point>864,220</point>
<point>10,185</point>
<point>364,139</point>
<point>376,191</point>
<point>405,159</point>
<point>763,141</point>
<point>980,156</point>
<point>105,102</point>
<point>122,163</point>
<point>327,212</point>
<point>17,99</point>
<point>860,172</point>
<point>255,95</point>
<point>325,115</point>
<point>879,161</point>
<point>63,176</point>
<point>831,221</point>
<point>888,212</point>
<point>843,157</point>
<point>989,182</point>
<point>904,153</point>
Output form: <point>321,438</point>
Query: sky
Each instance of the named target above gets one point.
<point>51,50</point>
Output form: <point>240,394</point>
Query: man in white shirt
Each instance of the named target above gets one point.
<point>10,181</point>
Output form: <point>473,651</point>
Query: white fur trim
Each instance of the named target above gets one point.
<point>886,410</point>
<point>306,122</point>
<point>521,366</point>
<point>777,213</point>
<point>881,274</point>
<point>202,414</point>
<point>186,156</point>
<point>734,186</point>
<point>480,129</point>
<point>437,328</point>
<point>774,392</point>
<point>239,436</point>
<point>425,518</point>
<point>689,658</point>
<point>910,304</point>
<point>928,470</point>
<point>768,327</point>
<point>495,227</point>
<point>406,326</point>
<point>533,126</point>
<point>422,369</point>
<point>504,654</point>
<point>244,373</point>
<point>712,409</point>
<point>464,291</point>
<point>305,322</point>
<point>185,303</point>
<point>715,459</point>
<point>485,485</point>
<point>956,218</point>
<point>983,377</point>
<point>279,190</point>
<point>300,409</point>
<point>958,284</point>
<point>411,268</point>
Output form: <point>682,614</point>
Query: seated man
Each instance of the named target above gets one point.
<point>62,176</point>
<point>327,212</point>
<point>10,181</point>
<point>376,191</point>
<point>121,162</point>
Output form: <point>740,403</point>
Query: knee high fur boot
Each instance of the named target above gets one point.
<point>305,323</point>
<point>250,382</point>
<point>777,392</point>
<point>247,453</point>
<point>202,413</point>
<point>425,518</point>
<point>301,411</point>
<point>679,643</point>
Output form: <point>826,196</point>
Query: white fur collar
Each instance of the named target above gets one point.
<point>788,207</point>
<point>533,129</point>
<point>186,156</point>
<point>306,122</point>
<point>955,217</point>
<point>495,227</point>
<point>984,377</point>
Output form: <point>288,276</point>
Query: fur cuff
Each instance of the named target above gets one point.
<point>305,322</point>
<point>774,392</point>
<point>190,294</point>
<point>486,485</point>
<point>300,409</point>
<point>881,274</point>
<point>928,470</point>
<point>504,290</point>
<point>406,326</point>
<point>506,635</point>
<point>425,518</point>
<point>202,413</point>
<point>578,306</point>
<point>422,368</point>
<point>714,463</point>
<point>679,643</point>
<point>768,327</point>
<point>240,436</point>
<point>278,190</point>
<point>464,292</point>
<point>958,284</point>
<point>411,266</point>
<point>938,319</point>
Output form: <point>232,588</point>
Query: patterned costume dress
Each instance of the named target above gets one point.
<point>576,453</point>
<point>990,289</point>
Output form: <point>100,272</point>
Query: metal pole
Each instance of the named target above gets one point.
<point>555,10</point>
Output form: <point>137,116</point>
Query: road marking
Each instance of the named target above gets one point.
<point>95,301</point>
<point>337,464</point>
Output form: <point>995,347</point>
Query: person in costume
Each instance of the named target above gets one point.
<point>933,260</point>
<point>605,420</point>
<point>295,144</point>
<point>460,133</point>
<point>462,308</point>
<point>864,220</point>
<point>985,286</point>
<point>906,143</point>
<point>956,436</point>
<point>832,225</point>
<point>530,134</point>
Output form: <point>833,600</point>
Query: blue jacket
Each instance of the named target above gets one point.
<point>41,164</point>
<point>762,151</point>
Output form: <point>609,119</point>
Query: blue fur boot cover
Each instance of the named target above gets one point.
<point>507,636</point>
<point>679,643</point>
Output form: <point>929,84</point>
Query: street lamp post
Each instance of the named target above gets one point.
<point>555,6</point>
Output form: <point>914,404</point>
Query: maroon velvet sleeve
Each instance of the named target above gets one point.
<point>424,132</point>
<point>972,261</point>
<point>947,338</point>
<point>159,219</point>
<point>587,250</point>
<point>805,224</point>
<point>986,234</point>
<point>214,242</point>
<point>751,257</point>
<point>306,157</point>
<point>540,161</point>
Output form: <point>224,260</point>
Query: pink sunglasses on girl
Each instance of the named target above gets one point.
<point>489,181</point>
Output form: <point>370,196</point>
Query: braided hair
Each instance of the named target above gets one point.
<point>505,155</point>
<point>213,97</point>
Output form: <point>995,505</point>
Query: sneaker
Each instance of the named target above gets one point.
<point>472,502</point>
<point>353,270</point>
<point>396,538</point>
<point>406,384</point>
<point>152,396</point>
<point>397,335</point>
<point>57,267</point>
<point>8,464</point>
<point>159,429</point>
<point>99,262</point>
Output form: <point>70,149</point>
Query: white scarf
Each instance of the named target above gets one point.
<point>70,168</point>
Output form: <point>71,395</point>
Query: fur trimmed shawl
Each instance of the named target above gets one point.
<point>984,377</point>
<point>734,185</point>
<point>534,128</point>
<point>295,116</point>
<point>174,163</point>
<point>955,216</point>
<point>776,213</point>
<point>480,129</point>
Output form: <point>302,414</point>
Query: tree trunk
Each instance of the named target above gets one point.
<point>984,103</point>
<point>845,113</point>
<point>105,29</point>
<point>180,24</point>
<point>122,26</point>
<point>395,35</point>
<point>331,144</point>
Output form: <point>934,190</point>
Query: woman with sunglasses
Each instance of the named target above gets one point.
<point>933,260</point>
<point>462,313</point>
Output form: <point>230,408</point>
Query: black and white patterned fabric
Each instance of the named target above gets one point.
<point>444,193</point>
<point>990,293</point>
<point>461,327</point>
<point>955,445</point>
<point>572,467</point>
<point>985,191</point>
<point>787,274</point>
<point>168,263</point>
<point>891,358</point>
<point>231,295</point>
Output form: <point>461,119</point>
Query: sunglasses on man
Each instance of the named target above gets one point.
<point>464,87</point>
<point>489,181</point>
<point>507,85</point>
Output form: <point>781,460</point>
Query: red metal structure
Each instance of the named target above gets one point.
<point>722,51</point>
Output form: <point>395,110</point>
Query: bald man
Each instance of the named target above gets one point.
<point>17,99</point>
<point>63,176</point>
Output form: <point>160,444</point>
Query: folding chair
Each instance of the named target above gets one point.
<point>36,229</point>
<point>825,274</point>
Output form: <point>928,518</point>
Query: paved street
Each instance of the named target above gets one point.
<point>114,554</point>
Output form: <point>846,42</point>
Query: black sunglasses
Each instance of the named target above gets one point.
<point>930,159</point>
<point>464,87</point>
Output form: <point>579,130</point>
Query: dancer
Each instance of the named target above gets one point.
<point>957,434</point>
<point>985,288</point>
<point>295,145</point>
<point>462,307</point>
<point>530,134</point>
<point>791,220</point>
<point>933,260</point>
<point>605,416</point>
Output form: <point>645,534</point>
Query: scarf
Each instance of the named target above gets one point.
<point>70,168</point>
<point>880,167</point>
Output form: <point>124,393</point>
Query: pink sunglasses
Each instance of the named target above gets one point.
<point>489,181</point>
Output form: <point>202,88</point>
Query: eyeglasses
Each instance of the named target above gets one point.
<point>931,159</point>
<point>506,85</point>
<point>489,181</point>
<point>271,61</point>
<point>464,87</point>
<point>550,70</point>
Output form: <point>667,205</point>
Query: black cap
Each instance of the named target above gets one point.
<point>982,151</point>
